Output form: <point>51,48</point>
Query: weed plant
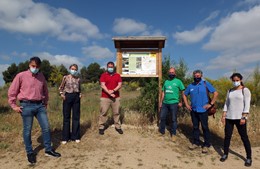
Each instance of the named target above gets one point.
<point>11,122</point>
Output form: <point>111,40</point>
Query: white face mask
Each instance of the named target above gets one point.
<point>73,72</point>
<point>34,70</point>
<point>236,84</point>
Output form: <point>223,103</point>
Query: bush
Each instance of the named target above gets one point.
<point>147,102</point>
<point>131,86</point>
<point>90,86</point>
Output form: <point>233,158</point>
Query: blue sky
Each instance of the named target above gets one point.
<point>217,36</point>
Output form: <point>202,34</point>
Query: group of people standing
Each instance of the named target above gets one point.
<point>30,89</point>
<point>235,111</point>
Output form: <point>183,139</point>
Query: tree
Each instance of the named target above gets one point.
<point>63,70</point>
<point>10,73</point>
<point>181,72</point>
<point>23,66</point>
<point>83,74</point>
<point>94,72</point>
<point>46,69</point>
<point>57,74</point>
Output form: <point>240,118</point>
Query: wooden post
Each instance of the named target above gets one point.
<point>119,61</point>
<point>159,82</point>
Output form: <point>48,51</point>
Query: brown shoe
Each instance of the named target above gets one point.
<point>174,138</point>
<point>193,146</point>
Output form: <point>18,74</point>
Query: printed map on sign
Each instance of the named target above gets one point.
<point>139,63</point>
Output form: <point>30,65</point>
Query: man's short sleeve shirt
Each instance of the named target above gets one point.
<point>171,89</point>
<point>198,95</point>
<point>111,81</point>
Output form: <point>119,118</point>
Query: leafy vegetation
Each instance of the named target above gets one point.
<point>139,98</point>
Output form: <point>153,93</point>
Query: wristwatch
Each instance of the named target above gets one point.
<point>243,117</point>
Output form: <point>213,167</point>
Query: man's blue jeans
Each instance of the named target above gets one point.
<point>169,108</point>
<point>29,111</point>
<point>196,118</point>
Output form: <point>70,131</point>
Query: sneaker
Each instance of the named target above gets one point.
<point>31,158</point>
<point>64,142</point>
<point>101,131</point>
<point>205,150</point>
<point>77,141</point>
<point>223,158</point>
<point>52,153</point>
<point>174,138</point>
<point>193,146</point>
<point>248,162</point>
<point>120,131</point>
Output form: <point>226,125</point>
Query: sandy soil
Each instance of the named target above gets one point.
<point>136,148</point>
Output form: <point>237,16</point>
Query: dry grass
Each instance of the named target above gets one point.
<point>11,123</point>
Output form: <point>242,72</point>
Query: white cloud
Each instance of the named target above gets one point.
<point>234,60</point>
<point>128,26</point>
<point>192,36</point>
<point>237,38</point>
<point>198,33</point>
<point>249,2</point>
<point>97,52</point>
<point>212,16</point>
<point>239,30</point>
<point>25,16</point>
<point>5,57</point>
<point>66,60</point>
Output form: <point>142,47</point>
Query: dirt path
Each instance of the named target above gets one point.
<point>134,149</point>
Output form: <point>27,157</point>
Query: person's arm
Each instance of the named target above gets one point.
<point>61,88</point>
<point>161,100</point>
<point>211,89</point>
<point>185,99</point>
<point>13,91</point>
<point>247,99</point>
<point>181,98</point>
<point>214,98</point>
<point>118,87</point>
<point>104,87</point>
<point>181,88</point>
<point>46,93</point>
<point>224,114</point>
<point>80,95</point>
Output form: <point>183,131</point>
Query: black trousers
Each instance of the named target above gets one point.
<point>242,130</point>
<point>71,102</point>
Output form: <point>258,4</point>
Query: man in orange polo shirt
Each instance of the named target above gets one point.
<point>110,83</point>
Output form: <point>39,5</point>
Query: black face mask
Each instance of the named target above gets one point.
<point>171,76</point>
<point>197,79</point>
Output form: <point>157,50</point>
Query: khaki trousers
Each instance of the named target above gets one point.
<point>105,104</point>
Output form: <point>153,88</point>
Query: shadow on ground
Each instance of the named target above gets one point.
<point>56,137</point>
<point>216,140</point>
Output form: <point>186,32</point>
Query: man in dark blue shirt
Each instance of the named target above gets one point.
<point>199,105</point>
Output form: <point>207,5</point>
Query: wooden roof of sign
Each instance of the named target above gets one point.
<point>139,42</point>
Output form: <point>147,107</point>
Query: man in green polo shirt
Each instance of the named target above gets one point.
<point>169,102</point>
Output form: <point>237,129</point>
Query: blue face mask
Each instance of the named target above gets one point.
<point>73,72</point>
<point>34,70</point>
<point>110,70</point>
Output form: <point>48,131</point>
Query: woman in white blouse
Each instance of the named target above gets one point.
<point>235,112</point>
